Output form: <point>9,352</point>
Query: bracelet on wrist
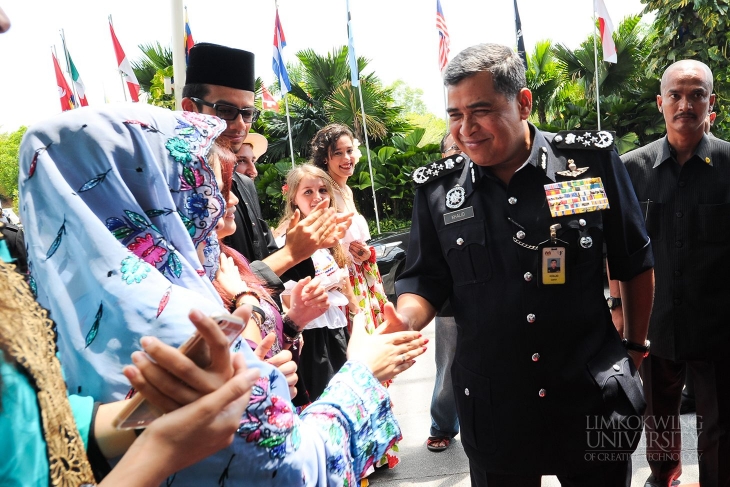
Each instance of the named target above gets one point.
<point>290,329</point>
<point>247,292</point>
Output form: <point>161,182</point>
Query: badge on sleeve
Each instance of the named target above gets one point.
<point>573,197</point>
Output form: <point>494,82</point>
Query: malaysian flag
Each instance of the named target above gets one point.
<point>444,39</point>
<point>278,61</point>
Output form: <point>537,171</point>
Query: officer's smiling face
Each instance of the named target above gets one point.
<point>487,126</point>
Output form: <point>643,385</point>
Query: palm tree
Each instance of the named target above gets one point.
<point>543,79</point>
<point>156,57</point>
<point>322,93</point>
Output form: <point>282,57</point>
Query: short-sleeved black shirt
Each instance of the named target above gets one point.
<point>687,212</point>
<point>528,356</point>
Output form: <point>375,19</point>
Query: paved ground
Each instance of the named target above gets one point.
<point>411,395</point>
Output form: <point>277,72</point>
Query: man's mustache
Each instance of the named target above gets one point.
<point>685,115</point>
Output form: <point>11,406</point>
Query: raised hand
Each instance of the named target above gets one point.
<point>386,354</point>
<point>173,379</point>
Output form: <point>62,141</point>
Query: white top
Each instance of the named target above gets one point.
<point>330,274</point>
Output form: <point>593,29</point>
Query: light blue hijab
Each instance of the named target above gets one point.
<point>114,202</point>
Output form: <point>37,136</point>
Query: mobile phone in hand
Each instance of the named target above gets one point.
<point>139,413</point>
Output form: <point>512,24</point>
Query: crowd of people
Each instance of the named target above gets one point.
<point>142,225</point>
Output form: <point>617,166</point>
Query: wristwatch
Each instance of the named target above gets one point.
<point>636,347</point>
<point>291,332</point>
<point>613,303</point>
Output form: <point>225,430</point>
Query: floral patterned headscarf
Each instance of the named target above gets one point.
<point>114,201</point>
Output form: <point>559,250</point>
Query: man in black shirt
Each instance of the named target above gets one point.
<point>682,182</point>
<point>540,376</point>
<point>220,81</point>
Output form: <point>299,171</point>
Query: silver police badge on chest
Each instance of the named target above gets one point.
<point>455,197</point>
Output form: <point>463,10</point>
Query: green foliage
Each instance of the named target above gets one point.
<point>698,29</point>
<point>392,164</point>
<point>9,147</point>
<point>155,58</point>
<point>408,98</point>
<point>322,93</point>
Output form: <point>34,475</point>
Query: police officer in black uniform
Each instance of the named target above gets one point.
<point>543,383</point>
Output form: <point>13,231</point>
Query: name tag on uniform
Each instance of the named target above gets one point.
<point>459,215</point>
<point>572,197</point>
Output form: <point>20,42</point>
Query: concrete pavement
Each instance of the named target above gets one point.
<point>411,394</point>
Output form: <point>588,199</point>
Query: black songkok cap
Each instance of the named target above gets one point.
<point>212,64</point>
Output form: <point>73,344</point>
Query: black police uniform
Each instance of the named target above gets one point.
<point>537,366</point>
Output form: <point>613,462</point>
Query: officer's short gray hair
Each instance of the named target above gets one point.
<point>505,66</point>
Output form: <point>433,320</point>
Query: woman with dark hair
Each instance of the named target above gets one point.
<point>334,150</point>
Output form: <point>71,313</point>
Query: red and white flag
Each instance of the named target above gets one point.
<point>606,27</point>
<point>444,39</point>
<point>267,100</point>
<point>125,67</point>
<point>64,91</point>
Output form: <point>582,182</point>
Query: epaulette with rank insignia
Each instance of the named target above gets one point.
<point>584,139</point>
<point>435,170</point>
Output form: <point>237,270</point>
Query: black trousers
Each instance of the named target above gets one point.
<point>614,474</point>
<point>323,353</point>
<point>663,381</point>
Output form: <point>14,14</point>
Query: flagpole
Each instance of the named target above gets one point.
<point>178,50</point>
<point>595,75</point>
<point>370,162</point>
<point>355,83</point>
<point>121,76</point>
<point>288,126</point>
<point>77,101</point>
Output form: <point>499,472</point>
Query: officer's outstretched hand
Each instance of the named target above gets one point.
<point>385,354</point>
<point>392,320</point>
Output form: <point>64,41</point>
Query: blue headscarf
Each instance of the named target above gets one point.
<point>115,201</point>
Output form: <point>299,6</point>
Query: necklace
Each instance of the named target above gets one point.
<point>346,198</point>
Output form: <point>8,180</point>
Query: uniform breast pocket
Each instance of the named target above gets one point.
<point>713,223</point>
<point>474,405</point>
<point>465,249</point>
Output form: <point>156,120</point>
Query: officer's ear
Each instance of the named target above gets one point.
<point>659,103</point>
<point>524,101</point>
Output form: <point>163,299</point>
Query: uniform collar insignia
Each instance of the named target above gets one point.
<point>434,170</point>
<point>588,139</point>
<point>573,170</point>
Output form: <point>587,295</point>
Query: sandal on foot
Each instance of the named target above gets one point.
<point>438,443</point>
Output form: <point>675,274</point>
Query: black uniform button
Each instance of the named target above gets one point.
<point>677,301</point>
<point>531,318</point>
<point>677,273</point>
<point>541,392</point>
<point>678,244</point>
<point>528,276</point>
<point>679,214</point>
<point>512,200</point>
<point>682,184</point>
<point>535,357</point>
